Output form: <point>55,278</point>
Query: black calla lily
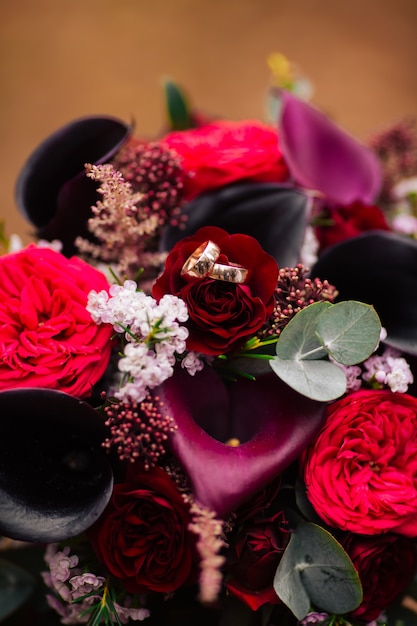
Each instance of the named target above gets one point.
<point>272,213</point>
<point>379,268</point>
<point>55,477</point>
<point>52,190</point>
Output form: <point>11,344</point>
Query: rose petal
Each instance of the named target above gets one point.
<point>52,190</point>
<point>273,422</point>
<point>271,213</point>
<point>55,477</point>
<point>379,268</point>
<point>323,157</point>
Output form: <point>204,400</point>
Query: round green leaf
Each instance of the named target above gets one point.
<point>318,380</point>
<point>316,572</point>
<point>299,340</point>
<point>349,331</point>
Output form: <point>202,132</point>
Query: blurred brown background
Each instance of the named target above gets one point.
<point>61,59</point>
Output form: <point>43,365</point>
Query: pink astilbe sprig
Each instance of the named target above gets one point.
<point>123,227</point>
<point>210,542</point>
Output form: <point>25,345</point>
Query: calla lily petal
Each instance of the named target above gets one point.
<point>379,268</point>
<point>55,477</point>
<point>323,157</point>
<point>273,422</point>
<point>273,214</point>
<point>52,190</point>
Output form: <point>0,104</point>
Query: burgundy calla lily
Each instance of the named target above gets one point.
<point>52,190</point>
<point>272,422</point>
<point>379,268</point>
<point>272,213</point>
<point>323,157</point>
<point>55,477</point>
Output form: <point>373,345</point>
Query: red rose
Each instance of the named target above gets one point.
<point>257,553</point>
<point>350,221</point>
<point>386,565</point>
<point>142,536</point>
<point>222,315</point>
<point>361,472</point>
<point>224,152</point>
<point>47,337</point>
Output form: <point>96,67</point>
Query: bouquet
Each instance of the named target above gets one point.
<point>206,373</point>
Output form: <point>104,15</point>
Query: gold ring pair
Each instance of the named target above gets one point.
<point>202,263</point>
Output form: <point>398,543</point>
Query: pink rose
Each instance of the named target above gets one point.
<point>225,152</point>
<point>47,337</point>
<point>361,472</point>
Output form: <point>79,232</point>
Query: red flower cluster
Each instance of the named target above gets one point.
<point>224,152</point>
<point>142,537</point>
<point>349,221</point>
<point>257,552</point>
<point>386,564</point>
<point>361,472</point>
<point>222,314</point>
<point>47,337</point>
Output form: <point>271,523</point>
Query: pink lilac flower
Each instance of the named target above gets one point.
<point>389,369</point>
<point>125,614</point>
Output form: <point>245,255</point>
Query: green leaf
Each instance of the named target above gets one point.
<point>16,585</point>
<point>318,380</point>
<point>349,331</point>
<point>298,340</point>
<point>177,107</point>
<point>315,572</point>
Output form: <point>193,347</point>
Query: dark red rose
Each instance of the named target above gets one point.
<point>47,337</point>
<point>349,221</point>
<point>142,536</point>
<point>256,555</point>
<point>222,315</point>
<point>361,472</point>
<point>224,152</point>
<point>386,565</point>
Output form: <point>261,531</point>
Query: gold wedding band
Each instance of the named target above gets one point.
<point>202,260</point>
<point>229,273</point>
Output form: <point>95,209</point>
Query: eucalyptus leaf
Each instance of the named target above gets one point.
<point>16,585</point>
<point>299,340</point>
<point>316,572</point>
<point>319,380</point>
<point>177,107</point>
<point>349,331</point>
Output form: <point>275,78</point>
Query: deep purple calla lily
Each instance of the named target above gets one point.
<point>55,477</point>
<point>379,268</point>
<point>271,213</point>
<point>273,422</point>
<point>52,190</point>
<point>323,157</point>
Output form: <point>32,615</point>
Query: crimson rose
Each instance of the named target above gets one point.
<point>257,553</point>
<point>361,472</point>
<point>222,315</point>
<point>47,337</point>
<point>224,152</point>
<point>386,565</point>
<point>350,221</point>
<point>142,536</point>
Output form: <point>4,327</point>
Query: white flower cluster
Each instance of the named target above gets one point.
<point>153,333</point>
<point>68,583</point>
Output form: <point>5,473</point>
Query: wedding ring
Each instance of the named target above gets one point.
<point>202,260</point>
<point>228,273</point>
